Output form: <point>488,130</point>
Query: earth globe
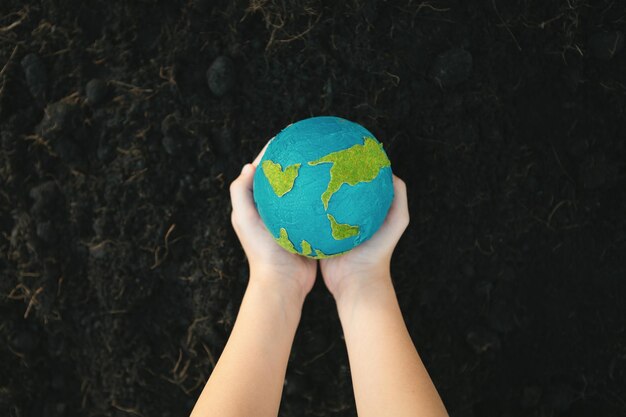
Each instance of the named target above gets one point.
<point>323,186</point>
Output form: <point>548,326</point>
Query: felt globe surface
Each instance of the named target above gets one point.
<point>323,186</point>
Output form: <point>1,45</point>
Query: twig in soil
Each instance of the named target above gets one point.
<point>26,294</point>
<point>209,354</point>
<point>32,301</point>
<point>4,68</point>
<point>554,210</point>
<point>545,23</point>
<point>480,248</point>
<point>6,197</point>
<point>427,5</point>
<point>157,259</point>
<point>299,35</point>
<point>39,140</point>
<point>132,88</point>
<point>506,25</point>
<point>319,355</point>
<point>22,16</point>
<point>191,326</point>
<point>558,160</point>
<point>135,175</point>
<point>126,409</point>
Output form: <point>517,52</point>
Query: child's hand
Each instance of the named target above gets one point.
<point>269,263</point>
<point>369,262</point>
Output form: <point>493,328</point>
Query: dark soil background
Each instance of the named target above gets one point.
<point>122,124</point>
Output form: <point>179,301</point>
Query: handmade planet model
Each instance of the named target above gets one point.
<point>323,186</point>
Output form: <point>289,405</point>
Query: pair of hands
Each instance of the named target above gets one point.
<point>294,275</point>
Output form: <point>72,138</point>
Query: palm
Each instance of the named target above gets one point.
<point>373,256</point>
<point>352,265</point>
<point>285,264</point>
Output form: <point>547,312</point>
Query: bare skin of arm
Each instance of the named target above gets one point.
<point>388,376</point>
<point>248,378</point>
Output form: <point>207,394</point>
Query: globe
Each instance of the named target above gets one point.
<point>323,186</point>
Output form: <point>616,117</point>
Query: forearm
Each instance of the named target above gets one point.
<point>248,378</point>
<point>388,375</point>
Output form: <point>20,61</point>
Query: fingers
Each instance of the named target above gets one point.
<point>241,195</point>
<point>399,210</point>
<point>397,218</point>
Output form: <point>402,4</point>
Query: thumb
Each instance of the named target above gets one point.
<point>242,200</point>
<point>397,218</point>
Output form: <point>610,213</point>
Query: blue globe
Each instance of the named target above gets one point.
<point>323,186</point>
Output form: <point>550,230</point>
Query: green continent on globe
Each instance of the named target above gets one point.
<point>340,230</point>
<point>283,240</point>
<point>306,248</point>
<point>280,180</point>
<point>320,255</point>
<point>359,163</point>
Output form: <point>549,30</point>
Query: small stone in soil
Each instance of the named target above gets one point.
<point>57,117</point>
<point>605,45</point>
<point>96,91</point>
<point>35,74</point>
<point>173,134</point>
<point>221,75</point>
<point>451,67</point>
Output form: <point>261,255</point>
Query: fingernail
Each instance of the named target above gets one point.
<point>245,169</point>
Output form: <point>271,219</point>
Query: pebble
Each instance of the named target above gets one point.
<point>221,75</point>
<point>173,137</point>
<point>451,67</point>
<point>57,117</point>
<point>96,91</point>
<point>605,45</point>
<point>35,74</point>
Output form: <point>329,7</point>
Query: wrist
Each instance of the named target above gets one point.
<point>283,291</point>
<point>364,289</point>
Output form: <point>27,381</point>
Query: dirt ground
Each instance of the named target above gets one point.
<point>122,124</point>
